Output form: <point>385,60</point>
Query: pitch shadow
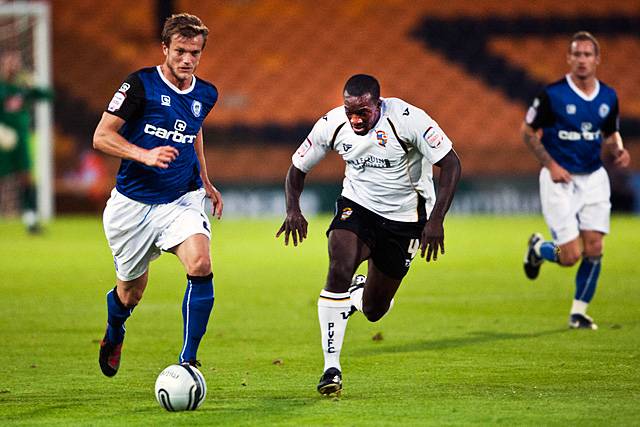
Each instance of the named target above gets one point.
<point>472,338</point>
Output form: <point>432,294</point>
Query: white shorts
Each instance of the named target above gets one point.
<point>137,232</point>
<point>582,204</point>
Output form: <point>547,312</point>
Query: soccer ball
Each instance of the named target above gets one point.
<point>180,388</point>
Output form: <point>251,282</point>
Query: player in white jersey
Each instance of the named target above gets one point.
<point>388,209</point>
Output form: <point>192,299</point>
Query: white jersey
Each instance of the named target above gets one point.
<point>389,170</point>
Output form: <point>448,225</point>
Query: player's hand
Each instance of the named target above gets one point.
<point>160,157</point>
<point>295,225</point>
<point>216,199</point>
<point>559,174</point>
<point>622,158</point>
<point>432,239</point>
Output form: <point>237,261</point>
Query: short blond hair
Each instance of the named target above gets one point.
<point>585,36</point>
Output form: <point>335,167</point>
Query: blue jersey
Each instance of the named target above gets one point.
<point>157,113</point>
<point>574,124</point>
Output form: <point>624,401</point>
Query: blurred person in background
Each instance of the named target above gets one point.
<point>388,209</point>
<point>154,124</point>
<point>565,128</point>
<point>17,96</point>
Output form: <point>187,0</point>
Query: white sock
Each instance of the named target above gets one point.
<point>356,300</point>
<point>333,315</point>
<point>579,307</point>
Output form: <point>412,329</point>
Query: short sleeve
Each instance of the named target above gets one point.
<point>427,136</point>
<point>611,123</point>
<point>315,147</point>
<point>540,114</point>
<point>212,96</point>
<point>128,101</point>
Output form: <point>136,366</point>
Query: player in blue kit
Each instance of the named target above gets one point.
<point>154,124</point>
<point>565,128</point>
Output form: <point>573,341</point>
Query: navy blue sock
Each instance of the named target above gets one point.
<point>196,308</point>
<point>587,278</point>
<point>549,251</point>
<point>117,314</point>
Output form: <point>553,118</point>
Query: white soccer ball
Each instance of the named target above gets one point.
<point>181,388</point>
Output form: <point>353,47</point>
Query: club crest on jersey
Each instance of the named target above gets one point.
<point>165,100</point>
<point>603,110</point>
<point>196,107</point>
<point>382,137</point>
<point>346,213</point>
<point>571,109</point>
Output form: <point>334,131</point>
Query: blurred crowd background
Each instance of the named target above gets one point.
<point>280,65</point>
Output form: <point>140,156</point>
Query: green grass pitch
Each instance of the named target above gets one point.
<point>469,341</point>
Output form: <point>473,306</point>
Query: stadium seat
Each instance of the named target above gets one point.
<point>280,65</point>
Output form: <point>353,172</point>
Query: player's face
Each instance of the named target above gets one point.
<point>362,111</point>
<point>582,59</point>
<point>182,57</point>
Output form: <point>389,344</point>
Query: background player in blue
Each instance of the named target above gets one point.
<point>154,124</point>
<point>565,127</point>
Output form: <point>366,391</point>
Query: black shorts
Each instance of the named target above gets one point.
<point>393,244</point>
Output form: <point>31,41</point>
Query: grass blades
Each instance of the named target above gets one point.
<point>470,341</point>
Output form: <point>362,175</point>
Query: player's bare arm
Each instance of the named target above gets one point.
<point>613,144</point>
<point>531,137</point>
<point>432,239</point>
<point>212,192</point>
<point>107,139</point>
<point>295,224</point>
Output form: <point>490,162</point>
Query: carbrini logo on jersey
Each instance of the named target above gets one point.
<point>173,135</point>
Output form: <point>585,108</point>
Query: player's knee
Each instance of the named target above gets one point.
<point>199,266</point>
<point>373,316</point>
<point>130,298</point>
<point>374,312</point>
<point>593,249</point>
<point>569,258</point>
